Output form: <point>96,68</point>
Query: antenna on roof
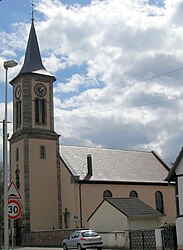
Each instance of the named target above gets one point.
<point>32,13</point>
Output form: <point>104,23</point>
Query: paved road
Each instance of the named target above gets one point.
<point>36,248</point>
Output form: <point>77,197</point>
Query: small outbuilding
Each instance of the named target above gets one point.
<point>119,214</point>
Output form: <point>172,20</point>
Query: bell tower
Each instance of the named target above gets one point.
<point>34,145</point>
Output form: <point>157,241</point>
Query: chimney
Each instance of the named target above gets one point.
<point>89,167</point>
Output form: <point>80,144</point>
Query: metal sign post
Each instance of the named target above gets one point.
<point>12,234</point>
<point>14,207</point>
<point>1,236</point>
<point>14,212</point>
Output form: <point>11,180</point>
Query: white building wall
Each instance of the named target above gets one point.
<point>150,223</point>
<point>116,240</point>
<point>180,193</point>
<point>158,236</point>
<point>179,169</point>
<point>179,220</point>
<point>179,229</point>
<point>108,218</point>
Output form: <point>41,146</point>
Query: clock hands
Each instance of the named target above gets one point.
<point>40,89</point>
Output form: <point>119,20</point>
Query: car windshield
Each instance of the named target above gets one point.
<point>89,234</point>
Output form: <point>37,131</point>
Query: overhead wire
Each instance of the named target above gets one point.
<point>129,107</point>
<point>120,108</point>
<point>115,108</point>
<point>131,85</point>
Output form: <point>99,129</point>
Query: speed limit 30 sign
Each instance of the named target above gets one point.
<point>14,209</point>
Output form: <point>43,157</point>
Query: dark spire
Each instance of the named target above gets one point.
<point>32,61</point>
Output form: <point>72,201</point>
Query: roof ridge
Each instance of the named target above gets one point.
<point>119,198</point>
<point>105,148</point>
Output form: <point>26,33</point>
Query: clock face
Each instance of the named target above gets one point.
<point>18,92</point>
<point>40,89</point>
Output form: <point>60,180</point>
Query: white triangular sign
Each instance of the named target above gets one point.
<point>13,191</point>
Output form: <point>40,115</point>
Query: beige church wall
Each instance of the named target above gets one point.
<point>168,198</point>
<point>143,223</point>
<point>70,198</point>
<point>43,186</point>
<point>107,219</point>
<point>20,164</point>
<point>92,195</point>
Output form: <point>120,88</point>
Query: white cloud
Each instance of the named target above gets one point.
<point>115,48</point>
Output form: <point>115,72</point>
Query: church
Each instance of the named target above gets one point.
<point>62,185</point>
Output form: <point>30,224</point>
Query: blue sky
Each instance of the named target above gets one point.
<point>118,65</point>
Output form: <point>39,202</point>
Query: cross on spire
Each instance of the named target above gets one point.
<point>32,13</point>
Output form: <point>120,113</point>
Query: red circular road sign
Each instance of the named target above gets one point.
<point>14,209</point>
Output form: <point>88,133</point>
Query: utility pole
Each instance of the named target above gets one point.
<point>7,65</point>
<point>1,206</point>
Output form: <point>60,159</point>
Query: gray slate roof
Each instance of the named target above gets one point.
<point>114,164</point>
<point>133,207</point>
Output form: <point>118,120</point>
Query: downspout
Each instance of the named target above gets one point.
<point>175,178</point>
<point>80,203</point>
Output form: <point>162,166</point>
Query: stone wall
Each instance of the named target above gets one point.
<point>45,238</point>
<point>54,238</point>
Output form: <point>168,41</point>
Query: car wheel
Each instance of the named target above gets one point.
<point>99,248</point>
<point>64,246</point>
<point>79,247</point>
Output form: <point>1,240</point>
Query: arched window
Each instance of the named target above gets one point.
<point>107,193</point>
<point>17,154</point>
<point>17,174</point>
<point>42,152</point>
<point>18,114</point>
<point>40,111</point>
<point>159,202</point>
<point>133,194</point>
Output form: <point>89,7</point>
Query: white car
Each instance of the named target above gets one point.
<point>83,239</point>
